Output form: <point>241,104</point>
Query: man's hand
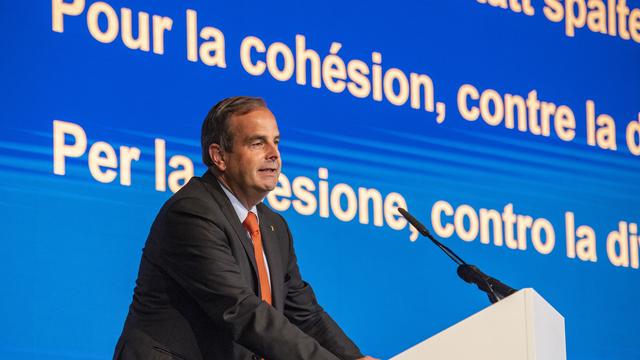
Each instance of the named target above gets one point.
<point>368,358</point>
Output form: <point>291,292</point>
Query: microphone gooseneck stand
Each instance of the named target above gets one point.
<point>494,289</point>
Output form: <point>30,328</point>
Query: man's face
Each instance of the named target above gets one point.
<point>253,165</point>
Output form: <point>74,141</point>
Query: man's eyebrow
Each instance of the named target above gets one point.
<point>255,137</point>
<point>260,137</point>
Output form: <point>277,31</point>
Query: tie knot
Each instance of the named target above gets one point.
<point>251,223</point>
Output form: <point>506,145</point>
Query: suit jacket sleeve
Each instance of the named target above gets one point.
<point>303,310</point>
<point>195,252</point>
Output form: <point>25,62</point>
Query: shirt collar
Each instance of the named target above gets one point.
<point>241,211</point>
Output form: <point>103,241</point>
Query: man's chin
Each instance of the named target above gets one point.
<point>269,182</point>
<point>270,187</point>
<point>267,187</point>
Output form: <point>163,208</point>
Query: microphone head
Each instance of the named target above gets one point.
<point>413,221</point>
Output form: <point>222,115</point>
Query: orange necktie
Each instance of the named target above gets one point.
<point>251,224</point>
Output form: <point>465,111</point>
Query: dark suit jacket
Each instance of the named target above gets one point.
<point>197,296</point>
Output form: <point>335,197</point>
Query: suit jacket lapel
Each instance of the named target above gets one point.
<point>230,213</point>
<point>269,243</point>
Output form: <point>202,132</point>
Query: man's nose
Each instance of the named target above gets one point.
<point>272,151</point>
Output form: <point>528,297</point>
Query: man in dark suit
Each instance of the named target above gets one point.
<point>218,277</point>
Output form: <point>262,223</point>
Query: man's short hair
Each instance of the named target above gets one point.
<point>215,127</point>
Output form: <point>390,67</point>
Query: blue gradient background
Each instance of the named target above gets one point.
<point>71,245</point>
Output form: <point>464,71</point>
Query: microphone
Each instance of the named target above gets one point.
<point>423,230</point>
<point>413,221</point>
<point>494,289</point>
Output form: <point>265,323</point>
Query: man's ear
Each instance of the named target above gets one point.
<point>217,157</point>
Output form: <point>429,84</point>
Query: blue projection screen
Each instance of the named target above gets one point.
<point>510,128</point>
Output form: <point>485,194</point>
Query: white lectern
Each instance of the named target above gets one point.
<point>522,326</point>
